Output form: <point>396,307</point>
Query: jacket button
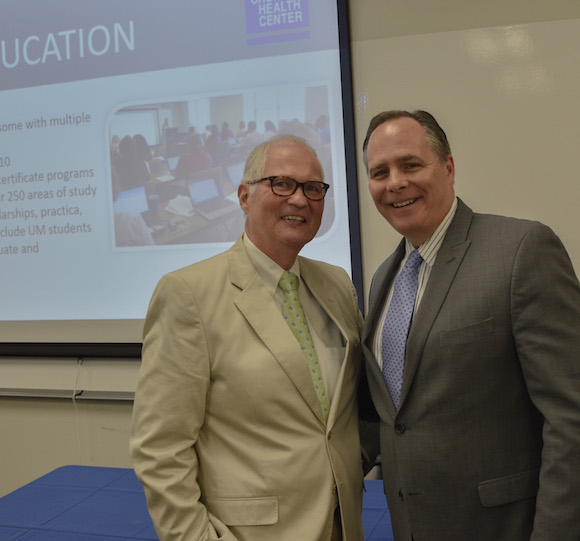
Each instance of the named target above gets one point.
<point>400,428</point>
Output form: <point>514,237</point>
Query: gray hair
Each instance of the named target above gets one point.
<point>258,158</point>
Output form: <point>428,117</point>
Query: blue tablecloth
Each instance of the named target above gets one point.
<point>87,503</point>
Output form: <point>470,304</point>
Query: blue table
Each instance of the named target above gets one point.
<point>376,517</point>
<point>87,503</point>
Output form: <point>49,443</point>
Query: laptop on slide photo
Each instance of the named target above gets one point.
<point>172,162</point>
<point>132,201</point>
<point>208,200</point>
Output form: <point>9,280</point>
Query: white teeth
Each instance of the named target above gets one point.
<point>296,218</point>
<point>404,203</point>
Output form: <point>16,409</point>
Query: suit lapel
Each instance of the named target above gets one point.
<point>327,299</point>
<point>325,296</point>
<point>447,264</point>
<point>379,287</point>
<point>255,303</point>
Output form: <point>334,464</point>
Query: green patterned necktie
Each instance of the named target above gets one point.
<point>294,315</point>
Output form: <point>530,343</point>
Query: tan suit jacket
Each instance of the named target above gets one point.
<point>228,436</point>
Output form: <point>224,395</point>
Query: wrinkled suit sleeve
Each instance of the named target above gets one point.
<point>169,412</point>
<point>546,325</point>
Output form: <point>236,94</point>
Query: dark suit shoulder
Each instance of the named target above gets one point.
<point>508,223</point>
<point>506,231</point>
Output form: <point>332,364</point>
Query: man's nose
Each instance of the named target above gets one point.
<point>298,198</point>
<point>397,180</point>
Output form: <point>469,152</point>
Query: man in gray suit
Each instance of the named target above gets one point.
<point>480,429</point>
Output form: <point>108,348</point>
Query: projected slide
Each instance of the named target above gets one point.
<point>124,128</point>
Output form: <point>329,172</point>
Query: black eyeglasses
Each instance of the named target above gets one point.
<point>314,190</point>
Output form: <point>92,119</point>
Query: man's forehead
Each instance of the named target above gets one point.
<point>382,161</point>
<point>289,154</point>
<point>286,146</point>
<point>403,141</point>
<point>399,128</point>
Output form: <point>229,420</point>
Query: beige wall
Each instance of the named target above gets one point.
<point>506,91</point>
<point>501,77</point>
<point>41,434</point>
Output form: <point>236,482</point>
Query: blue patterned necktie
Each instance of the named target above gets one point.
<point>296,319</point>
<point>396,327</point>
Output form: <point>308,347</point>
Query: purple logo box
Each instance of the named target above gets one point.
<point>273,15</point>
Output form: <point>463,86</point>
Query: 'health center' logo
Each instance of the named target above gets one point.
<point>269,21</point>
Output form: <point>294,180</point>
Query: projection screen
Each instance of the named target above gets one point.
<point>107,107</point>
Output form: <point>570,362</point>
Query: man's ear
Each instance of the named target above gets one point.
<point>243,196</point>
<point>450,167</point>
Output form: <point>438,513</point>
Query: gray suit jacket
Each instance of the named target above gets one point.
<point>228,437</point>
<point>486,442</point>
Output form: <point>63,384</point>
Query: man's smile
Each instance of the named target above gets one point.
<point>404,203</point>
<point>293,217</point>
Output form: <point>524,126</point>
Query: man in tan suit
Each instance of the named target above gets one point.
<point>230,438</point>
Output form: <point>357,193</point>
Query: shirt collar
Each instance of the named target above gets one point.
<point>267,268</point>
<point>430,248</point>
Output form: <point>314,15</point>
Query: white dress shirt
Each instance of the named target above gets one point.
<point>428,250</point>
